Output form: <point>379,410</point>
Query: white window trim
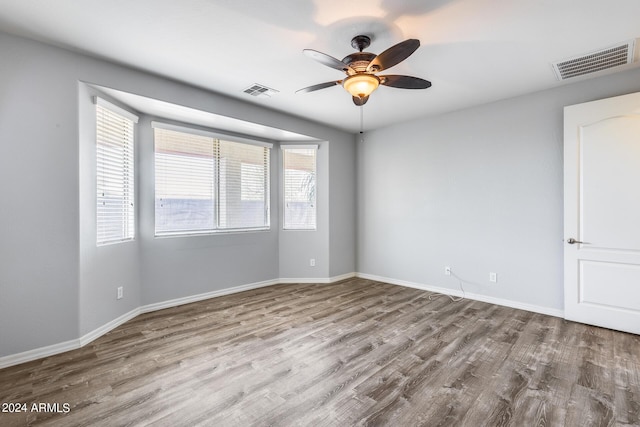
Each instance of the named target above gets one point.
<point>285,146</point>
<point>134,119</point>
<point>299,146</point>
<point>113,107</point>
<point>225,137</point>
<point>209,133</point>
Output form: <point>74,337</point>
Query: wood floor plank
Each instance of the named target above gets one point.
<point>357,352</point>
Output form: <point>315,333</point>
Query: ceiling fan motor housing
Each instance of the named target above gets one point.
<point>359,60</point>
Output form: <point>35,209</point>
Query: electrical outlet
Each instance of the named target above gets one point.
<point>312,262</point>
<point>447,271</point>
<point>120,292</point>
<point>493,277</point>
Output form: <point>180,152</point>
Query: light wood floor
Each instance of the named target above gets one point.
<point>353,353</point>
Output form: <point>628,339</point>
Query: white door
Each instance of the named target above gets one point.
<point>602,213</point>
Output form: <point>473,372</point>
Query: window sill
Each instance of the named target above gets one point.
<point>114,242</point>
<point>210,232</point>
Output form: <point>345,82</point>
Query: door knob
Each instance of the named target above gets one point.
<point>573,241</point>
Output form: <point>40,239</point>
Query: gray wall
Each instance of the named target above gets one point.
<point>174,267</point>
<point>297,247</point>
<point>479,190</point>
<point>54,284</point>
<point>334,251</point>
<point>102,268</point>
<point>342,206</point>
<point>39,252</point>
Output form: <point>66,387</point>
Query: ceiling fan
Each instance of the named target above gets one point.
<point>361,68</point>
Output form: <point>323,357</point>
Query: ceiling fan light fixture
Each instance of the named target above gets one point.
<point>360,68</point>
<point>361,85</point>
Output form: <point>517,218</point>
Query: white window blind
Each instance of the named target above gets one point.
<point>244,186</point>
<point>185,169</point>
<point>299,165</point>
<point>206,184</point>
<point>115,213</point>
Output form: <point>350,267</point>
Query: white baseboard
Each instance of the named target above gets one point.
<point>207,295</point>
<point>324,280</point>
<point>27,356</point>
<point>50,350</point>
<point>476,297</point>
<point>38,353</point>
<point>342,277</point>
<point>98,332</point>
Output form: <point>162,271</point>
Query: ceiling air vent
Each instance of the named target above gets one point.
<point>259,90</point>
<point>603,59</point>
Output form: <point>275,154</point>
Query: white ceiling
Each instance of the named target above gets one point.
<point>473,51</point>
<point>215,122</point>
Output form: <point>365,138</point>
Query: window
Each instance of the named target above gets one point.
<point>115,213</point>
<point>206,183</point>
<point>299,163</point>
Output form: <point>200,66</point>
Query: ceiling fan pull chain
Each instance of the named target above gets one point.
<point>361,119</point>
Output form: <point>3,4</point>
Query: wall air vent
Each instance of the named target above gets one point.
<point>603,59</point>
<point>261,91</point>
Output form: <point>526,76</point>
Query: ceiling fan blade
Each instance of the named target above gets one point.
<point>404,82</point>
<point>394,55</point>
<point>360,101</point>
<point>329,61</point>
<point>319,86</point>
